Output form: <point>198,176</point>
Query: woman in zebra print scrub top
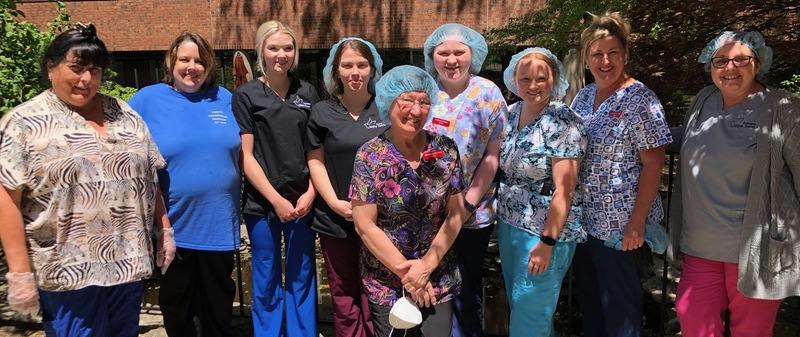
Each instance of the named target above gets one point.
<point>78,171</point>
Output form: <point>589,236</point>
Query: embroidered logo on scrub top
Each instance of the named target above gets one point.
<point>300,103</point>
<point>373,124</point>
<point>615,114</point>
<point>740,122</point>
<point>218,117</point>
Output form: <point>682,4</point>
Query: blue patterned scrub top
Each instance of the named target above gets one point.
<point>526,162</point>
<point>472,119</point>
<point>632,119</point>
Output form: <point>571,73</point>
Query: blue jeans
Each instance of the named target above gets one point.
<point>531,298</point>
<point>295,302</point>
<point>93,311</point>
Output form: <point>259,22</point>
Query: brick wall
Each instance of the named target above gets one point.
<point>138,25</point>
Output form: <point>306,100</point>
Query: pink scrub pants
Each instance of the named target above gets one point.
<point>706,289</point>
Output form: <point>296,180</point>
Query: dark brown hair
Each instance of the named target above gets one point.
<point>206,56</point>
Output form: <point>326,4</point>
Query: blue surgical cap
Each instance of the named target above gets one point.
<point>328,74</point>
<point>560,84</point>
<point>753,40</point>
<point>460,33</point>
<point>399,80</point>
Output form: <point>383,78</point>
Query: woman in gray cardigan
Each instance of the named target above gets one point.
<point>738,225</point>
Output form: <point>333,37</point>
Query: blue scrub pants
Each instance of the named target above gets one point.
<point>297,298</point>
<point>609,290</point>
<point>93,311</point>
<point>531,298</point>
<point>470,247</point>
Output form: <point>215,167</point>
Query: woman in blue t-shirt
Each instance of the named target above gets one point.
<point>191,121</point>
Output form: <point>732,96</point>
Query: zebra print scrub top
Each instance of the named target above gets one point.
<point>87,201</point>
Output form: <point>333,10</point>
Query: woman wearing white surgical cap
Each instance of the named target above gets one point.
<point>471,110</point>
<point>740,207</point>
<point>336,129</point>
<point>538,220</point>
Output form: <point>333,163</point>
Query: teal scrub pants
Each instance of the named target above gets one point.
<point>532,299</point>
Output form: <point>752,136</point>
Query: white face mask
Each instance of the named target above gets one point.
<point>404,314</point>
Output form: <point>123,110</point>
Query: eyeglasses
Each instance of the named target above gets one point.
<point>407,103</point>
<point>738,61</point>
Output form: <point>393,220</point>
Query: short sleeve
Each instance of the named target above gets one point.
<point>15,171</point>
<point>315,133</point>
<point>241,104</point>
<point>567,138</point>
<point>157,161</point>
<point>498,119</point>
<point>362,185</point>
<point>648,125</point>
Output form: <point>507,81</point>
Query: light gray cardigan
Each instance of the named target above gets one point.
<point>769,253</point>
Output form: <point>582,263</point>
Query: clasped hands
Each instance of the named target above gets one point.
<point>415,277</point>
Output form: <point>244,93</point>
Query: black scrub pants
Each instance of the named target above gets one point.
<point>198,283</point>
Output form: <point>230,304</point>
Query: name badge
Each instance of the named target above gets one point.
<point>439,121</point>
<point>432,154</point>
<point>615,114</point>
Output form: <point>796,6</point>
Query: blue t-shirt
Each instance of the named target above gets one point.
<point>199,138</point>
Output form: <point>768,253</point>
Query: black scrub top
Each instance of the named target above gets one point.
<point>279,138</point>
<point>332,127</point>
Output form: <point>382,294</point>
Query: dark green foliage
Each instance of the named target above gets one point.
<point>667,38</point>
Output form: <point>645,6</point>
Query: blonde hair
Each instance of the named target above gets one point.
<point>268,29</point>
<point>602,26</point>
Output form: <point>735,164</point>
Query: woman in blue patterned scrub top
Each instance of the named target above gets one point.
<point>539,220</point>
<point>620,176</point>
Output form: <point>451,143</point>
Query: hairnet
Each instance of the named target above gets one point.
<point>460,33</point>
<point>752,40</point>
<point>327,73</point>
<point>399,80</point>
<point>560,84</point>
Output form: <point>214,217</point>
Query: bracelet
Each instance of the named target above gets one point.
<point>470,207</point>
<point>548,240</point>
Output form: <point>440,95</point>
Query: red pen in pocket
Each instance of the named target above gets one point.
<point>432,154</point>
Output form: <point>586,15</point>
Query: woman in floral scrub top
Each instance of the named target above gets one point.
<point>408,207</point>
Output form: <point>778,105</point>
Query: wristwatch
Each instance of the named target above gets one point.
<point>548,240</point>
<point>470,207</point>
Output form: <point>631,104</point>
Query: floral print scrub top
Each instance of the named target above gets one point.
<point>526,162</point>
<point>472,119</point>
<point>412,206</point>
<point>632,119</point>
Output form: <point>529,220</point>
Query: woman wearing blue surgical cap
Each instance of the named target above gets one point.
<point>619,177</point>
<point>738,223</point>
<point>337,127</point>
<point>538,219</point>
<point>470,110</point>
<point>406,193</point>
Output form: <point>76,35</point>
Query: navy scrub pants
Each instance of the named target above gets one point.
<point>470,247</point>
<point>609,290</point>
<point>93,311</point>
<point>287,310</point>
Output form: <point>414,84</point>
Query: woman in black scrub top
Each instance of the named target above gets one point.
<point>272,112</point>
<point>336,129</point>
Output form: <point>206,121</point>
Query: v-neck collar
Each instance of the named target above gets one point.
<point>396,152</point>
<point>109,116</point>
<point>339,106</point>
<point>611,98</point>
